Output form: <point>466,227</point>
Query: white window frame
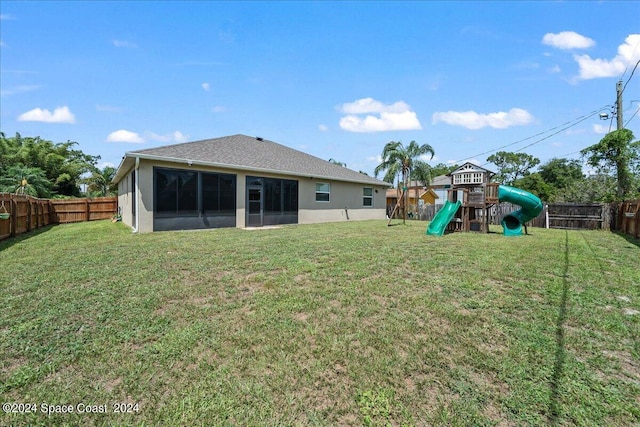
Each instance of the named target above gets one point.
<point>468,178</point>
<point>365,197</point>
<point>328,192</point>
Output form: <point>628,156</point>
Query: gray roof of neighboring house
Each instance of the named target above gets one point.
<point>249,154</point>
<point>440,181</point>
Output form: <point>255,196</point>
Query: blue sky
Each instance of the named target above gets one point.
<point>334,79</point>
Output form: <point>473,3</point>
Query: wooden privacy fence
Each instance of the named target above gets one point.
<point>629,218</point>
<point>572,216</point>
<point>26,213</point>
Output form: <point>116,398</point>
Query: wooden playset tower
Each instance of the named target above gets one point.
<point>470,184</point>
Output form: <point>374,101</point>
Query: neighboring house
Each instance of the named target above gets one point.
<point>426,196</point>
<point>239,181</point>
<point>439,185</point>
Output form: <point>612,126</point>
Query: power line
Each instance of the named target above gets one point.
<point>570,124</point>
<point>632,71</point>
<point>632,116</point>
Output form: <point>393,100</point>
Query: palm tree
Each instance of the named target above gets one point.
<point>400,160</point>
<point>100,182</point>
<point>25,180</point>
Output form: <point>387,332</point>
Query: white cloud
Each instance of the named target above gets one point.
<point>628,54</point>
<point>397,116</point>
<point>123,135</point>
<point>555,69</point>
<point>59,115</point>
<point>600,129</point>
<point>176,136</point>
<point>180,137</point>
<point>2,44</point>
<point>323,128</point>
<point>567,40</point>
<point>6,17</point>
<point>219,109</point>
<point>377,158</point>
<point>473,120</point>
<point>125,44</point>
<point>102,165</point>
<point>206,87</point>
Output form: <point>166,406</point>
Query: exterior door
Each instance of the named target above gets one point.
<point>254,206</point>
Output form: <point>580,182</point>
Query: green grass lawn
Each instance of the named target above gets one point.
<point>342,324</point>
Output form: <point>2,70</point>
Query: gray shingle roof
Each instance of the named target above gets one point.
<point>253,154</point>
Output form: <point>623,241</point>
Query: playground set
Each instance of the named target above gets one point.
<point>470,198</point>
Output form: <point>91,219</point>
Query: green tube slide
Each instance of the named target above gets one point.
<point>439,222</point>
<point>531,206</point>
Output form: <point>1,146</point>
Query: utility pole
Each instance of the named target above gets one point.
<point>619,104</point>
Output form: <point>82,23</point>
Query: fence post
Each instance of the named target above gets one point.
<point>637,220</point>
<point>28,221</point>
<point>14,221</point>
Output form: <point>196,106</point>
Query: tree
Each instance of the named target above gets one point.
<point>24,180</point>
<point>398,160</point>
<point>559,174</point>
<point>534,183</point>
<point>61,163</point>
<point>335,162</point>
<point>442,169</point>
<point>512,166</point>
<point>100,184</point>
<point>597,187</point>
<point>617,151</point>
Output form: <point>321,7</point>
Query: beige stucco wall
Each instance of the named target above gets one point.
<point>124,199</point>
<point>345,202</point>
<point>343,196</point>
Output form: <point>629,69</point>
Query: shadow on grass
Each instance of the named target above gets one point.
<point>629,238</point>
<point>558,368</point>
<point>7,243</point>
<point>633,331</point>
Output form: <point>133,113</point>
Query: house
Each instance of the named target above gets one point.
<point>239,181</point>
<point>426,196</point>
<point>439,185</point>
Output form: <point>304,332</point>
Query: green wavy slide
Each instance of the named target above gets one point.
<point>530,207</point>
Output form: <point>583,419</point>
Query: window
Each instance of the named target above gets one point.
<point>323,191</point>
<point>272,195</point>
<point>367,196</point>
<point>289,196</point>
<point>179,192</point>
<point>280,195</point>
<point>218,193</point>
<point>468,178</point>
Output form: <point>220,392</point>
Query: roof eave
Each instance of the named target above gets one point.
<point>133,155</point>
